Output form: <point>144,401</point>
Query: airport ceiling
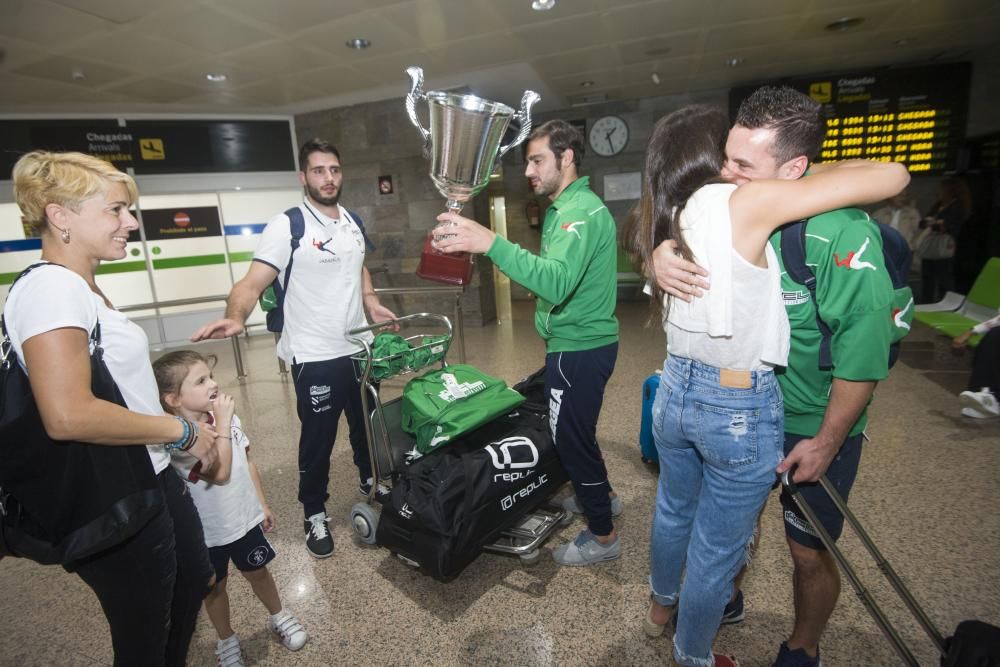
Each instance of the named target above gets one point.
<point>290,56</point>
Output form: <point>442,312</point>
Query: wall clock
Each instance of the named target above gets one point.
<point>608,136</point>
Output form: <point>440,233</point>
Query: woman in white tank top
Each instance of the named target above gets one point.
<point>718,416</point>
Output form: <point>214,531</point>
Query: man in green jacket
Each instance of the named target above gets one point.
<point>574,279</point>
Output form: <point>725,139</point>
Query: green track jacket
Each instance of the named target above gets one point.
<point>575,277</point>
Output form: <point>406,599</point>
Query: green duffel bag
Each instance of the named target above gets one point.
<point>441,405</point>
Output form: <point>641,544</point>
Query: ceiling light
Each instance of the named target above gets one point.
<point>543,5</point>
<point>734,62</point>
<point>358,43</point>
<point>845,24</point>
<point>77,75</point>
<point>586,84</point>
<point>655,78</point>
<point>216,78</point>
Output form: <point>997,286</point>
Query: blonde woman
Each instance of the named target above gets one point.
<point>151,584</point>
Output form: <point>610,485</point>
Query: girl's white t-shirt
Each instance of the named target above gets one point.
<point>228,511</point>
<point>53,297</point>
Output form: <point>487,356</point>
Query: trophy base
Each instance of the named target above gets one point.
<point>450,269</point>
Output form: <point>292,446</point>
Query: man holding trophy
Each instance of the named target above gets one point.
<point>575,281</point>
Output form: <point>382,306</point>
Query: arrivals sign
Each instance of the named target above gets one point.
<point>157,147</point>
<point>913,115</point>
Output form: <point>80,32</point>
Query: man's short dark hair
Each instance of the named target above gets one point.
<point>561,135</point>
<point>794,116</point>
<point>316,145</point>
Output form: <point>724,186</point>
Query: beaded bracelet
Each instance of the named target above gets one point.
<point>180,442</point>
<point>192,438</point>
<point>188,437</point>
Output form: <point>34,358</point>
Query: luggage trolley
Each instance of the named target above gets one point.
<point>389,445</point>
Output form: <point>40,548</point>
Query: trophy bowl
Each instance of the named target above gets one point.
<point>463,144</point>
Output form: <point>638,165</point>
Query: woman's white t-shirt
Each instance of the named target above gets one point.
<point>53,297</point>
<point>228,511</point>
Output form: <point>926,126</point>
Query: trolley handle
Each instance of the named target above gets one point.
<point>883,565</point>
<point>788,482</point>
<point>405,318</point>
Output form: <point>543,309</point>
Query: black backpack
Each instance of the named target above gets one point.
<point>272,301</point>
<point>898,257</point>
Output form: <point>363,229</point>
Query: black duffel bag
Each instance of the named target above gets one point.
<point>446,506</point>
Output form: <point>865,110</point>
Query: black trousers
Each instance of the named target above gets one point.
<point>324,390</point>
<point>986,363</point>
<point>151,586</point>
<point>574,387</point>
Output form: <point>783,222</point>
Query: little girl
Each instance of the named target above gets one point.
<point>229,499</point>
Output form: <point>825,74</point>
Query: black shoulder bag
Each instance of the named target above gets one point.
<point>61,501</point>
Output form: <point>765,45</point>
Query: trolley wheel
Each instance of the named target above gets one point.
<point>531,557</point>
<point>364,519</point>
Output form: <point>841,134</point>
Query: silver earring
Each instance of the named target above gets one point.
<point>65,236</point>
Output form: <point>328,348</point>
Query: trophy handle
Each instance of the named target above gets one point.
<point>524,116</point>
<point>416,93</point>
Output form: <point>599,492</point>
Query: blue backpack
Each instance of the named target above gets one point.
<point>898,257</point>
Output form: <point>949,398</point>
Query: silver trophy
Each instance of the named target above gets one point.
<point>464,137</point>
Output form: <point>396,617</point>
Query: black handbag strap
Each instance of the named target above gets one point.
<point>7,354</point>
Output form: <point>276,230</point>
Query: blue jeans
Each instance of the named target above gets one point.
<point>718,447</point>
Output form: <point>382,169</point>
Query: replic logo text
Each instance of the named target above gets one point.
<point>516,457</point>
<point>509,501</point>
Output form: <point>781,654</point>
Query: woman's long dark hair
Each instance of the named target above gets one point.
<point>687,150</point>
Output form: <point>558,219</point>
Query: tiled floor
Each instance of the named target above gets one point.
<point>928,492</point>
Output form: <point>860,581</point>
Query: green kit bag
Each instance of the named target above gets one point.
<point>441,405</point>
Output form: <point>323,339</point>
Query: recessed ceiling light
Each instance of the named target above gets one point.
<point>358,43</point>
<point>655,78</point>
<point>543,5</point>
<point>734,62</point>
<point>216,78</point>
<point>77,75</point>
<point>586,84</point>
<point>845,23</point>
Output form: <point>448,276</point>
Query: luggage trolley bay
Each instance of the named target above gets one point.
<point>487,490</point>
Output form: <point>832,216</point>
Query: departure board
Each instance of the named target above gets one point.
<point>913,115</point>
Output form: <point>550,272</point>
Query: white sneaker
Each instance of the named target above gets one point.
<point>228,653</point>
<point>973,413</point>
<point>288,629</point>
<point>982,402</point>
